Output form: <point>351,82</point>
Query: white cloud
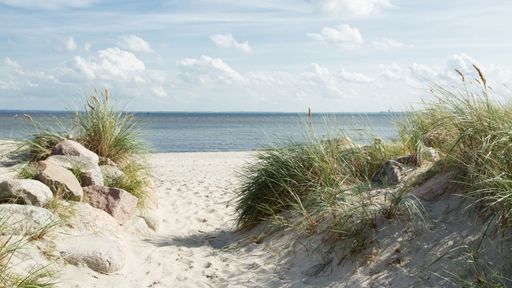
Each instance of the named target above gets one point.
<point>159,91</point>
<point>344,36</point>
<point>351,8</point>
<point>354,77</point>
<point>392,72</point>
<point>87,46</point>
<point>444,73</point>
<point>17,77</point>
<point>111,63</point>
<point>228,41</point>
<point>388,43</point>
<point>418,75</point>
<point>208,71</point>
<point>71,44</point>
<point>134,43</point>
<point>423,72</point>
<point>47,4</point>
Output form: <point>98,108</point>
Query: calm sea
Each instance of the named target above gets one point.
<point>187,132</point>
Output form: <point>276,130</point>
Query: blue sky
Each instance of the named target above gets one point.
<point>247,55</point>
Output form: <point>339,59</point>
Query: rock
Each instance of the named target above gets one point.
<point>60,180</point>
<point>429,154</point>
<point>11,154</point>
<point>407,160</point>
<point>86,218</point>
<point>90,171</point>
<point>152,219</point>
<point>138,227</point>
<point>25,191</point>
<point>391,172</point>
<point>106,161</point>
<point>72,148</point>
<point>7,175</point>
<point>100,254</point>
<point>25,219</point>
<point>435,187</point>
<point>110,173</point>
<point>116,202</point>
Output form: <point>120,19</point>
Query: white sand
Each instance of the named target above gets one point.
<point>195,192</point>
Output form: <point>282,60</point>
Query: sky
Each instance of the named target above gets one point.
<point>248,55</point>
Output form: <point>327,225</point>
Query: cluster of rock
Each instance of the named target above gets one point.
<point>392,172</point>
<point>100,214</point>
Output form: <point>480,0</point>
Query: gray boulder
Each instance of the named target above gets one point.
<point>90,171</point>
<point>60,180</point>
<point>138,227</point>
<point>26,219</point>
<point>118,203</point>
<point>429,154</point>
<point>100,254</point>
<point>110,173</point>
<point>86,218</point>
<point>25,191</point>
<point>152,218</point>
<point>391,172</point>
<point>72,148</point>
<point>106,161</point>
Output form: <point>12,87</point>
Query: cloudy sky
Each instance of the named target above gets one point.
<point>247,55</point>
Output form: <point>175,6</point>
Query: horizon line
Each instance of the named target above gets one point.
<point>211,112</point>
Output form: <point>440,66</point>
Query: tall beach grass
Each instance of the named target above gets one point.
<point>106,130</point>
<point>326,184</point>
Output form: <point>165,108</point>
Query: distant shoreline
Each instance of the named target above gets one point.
<point>60,112</point>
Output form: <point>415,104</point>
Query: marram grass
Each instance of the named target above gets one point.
<point>324,182</point>
<point>306,174</point>
<point>474,129</point>
<point>105,130</point>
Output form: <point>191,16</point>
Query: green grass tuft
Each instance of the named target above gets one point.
<point>316,173</point>
<point>474,130</point>
<point>41,144</point>
<point>107,131</point>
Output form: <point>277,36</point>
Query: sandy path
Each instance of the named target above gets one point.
<point>195,192</point>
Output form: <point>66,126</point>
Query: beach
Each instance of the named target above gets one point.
<point>195,193</point>
<point>197,243</point>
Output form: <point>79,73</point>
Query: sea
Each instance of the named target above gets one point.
<point>233,131</point>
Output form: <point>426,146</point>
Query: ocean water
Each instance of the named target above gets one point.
<point>189,132</point>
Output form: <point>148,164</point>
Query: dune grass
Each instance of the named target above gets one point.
<point>467,125</point>
<point>40,146</point>
<point>107,131</point>
<point>327,185</point>
<point>474,130</point>
<point>305,174</point>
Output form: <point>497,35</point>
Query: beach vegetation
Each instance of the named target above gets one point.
<point>328,186</point>
<point>105,130</point>
<point>108,131</point>
<point>9,246</point>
